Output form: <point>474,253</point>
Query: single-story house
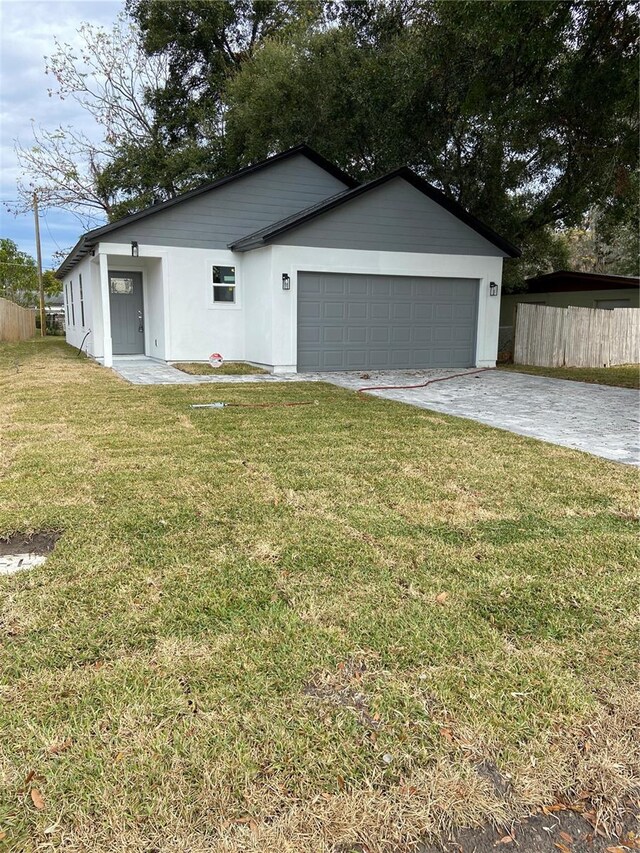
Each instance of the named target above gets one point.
<point>564,288</point>
<point>292,265</point>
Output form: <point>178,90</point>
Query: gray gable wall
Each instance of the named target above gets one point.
<point>394,217</point>
<point>214,219</point>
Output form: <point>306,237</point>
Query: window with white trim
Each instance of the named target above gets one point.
<point>81,301</point>
<point>223,284</point>
<point>66,302</point>
<point>73,309</point>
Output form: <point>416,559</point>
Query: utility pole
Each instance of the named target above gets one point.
<point>43,322</point>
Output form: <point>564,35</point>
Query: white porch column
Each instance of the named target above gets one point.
<point>106,309</point>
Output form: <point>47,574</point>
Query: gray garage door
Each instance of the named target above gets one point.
<point>355,322</point>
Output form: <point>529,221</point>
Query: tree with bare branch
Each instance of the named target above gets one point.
<point>113,80</point>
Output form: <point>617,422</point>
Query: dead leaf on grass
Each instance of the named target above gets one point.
<point>441,597</point>
<point>566,837</point>
<point>506,839</point>
<point>36,798</point>
<point>556,807</point>
<point>57,748</point>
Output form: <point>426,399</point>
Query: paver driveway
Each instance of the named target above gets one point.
<point>598,419</point>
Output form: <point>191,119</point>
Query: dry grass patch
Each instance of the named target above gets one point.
<point>227,368</point>
<point>299,629</point>
<point>623,375</point>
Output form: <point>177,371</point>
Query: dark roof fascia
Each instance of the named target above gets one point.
<point>572,281</point>
<point>267,234</point>
<point>91,237</point>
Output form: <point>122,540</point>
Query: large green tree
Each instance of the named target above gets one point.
<point>205,43</point>
<point>19,277</point>
<point>526,113</point>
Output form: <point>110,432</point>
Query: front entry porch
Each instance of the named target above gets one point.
<point>130,312</point>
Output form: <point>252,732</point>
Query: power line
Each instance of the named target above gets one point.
<point>50,234</point>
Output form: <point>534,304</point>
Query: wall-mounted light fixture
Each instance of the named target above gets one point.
<point>493,288</point>
<point>286,281</point>
<point>134,248</point>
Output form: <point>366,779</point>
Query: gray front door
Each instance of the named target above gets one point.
<point>127,321</point>
<point>356,322</point>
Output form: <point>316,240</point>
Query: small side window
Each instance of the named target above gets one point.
<point>224,284</point>
<point>81,301</point>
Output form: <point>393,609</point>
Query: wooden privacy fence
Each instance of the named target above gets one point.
<point>576,337</point>
<point>16,323</point>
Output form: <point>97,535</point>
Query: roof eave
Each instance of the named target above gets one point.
<point>92,236</point>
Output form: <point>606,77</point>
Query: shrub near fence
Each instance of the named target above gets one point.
<point>576,337</point>
<point>16,323</point>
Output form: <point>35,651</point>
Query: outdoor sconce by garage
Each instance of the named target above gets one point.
<point>134,248</point>
<point>493,288</point>
<point>286,281</point>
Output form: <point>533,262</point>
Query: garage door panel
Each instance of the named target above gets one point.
<point>442,335</point>
<point>380,358</point>
<point>333,334</point>
<point>356,334</point>
<point>380,335</point>
<point>311,310</point>
<point>422,335</point>
<point>380,311</point>
<point>402,290</point>
<point>354,322</point>
<point>401,335</point>
<point>442,311</point>
<point>422,311</point>
<point>357,310</point>
<point>354,359</point>
<point>309,335</point>
<point>334,310</point>
<point>358,287</point>
<point>402,311</point>
<point>380,286</point>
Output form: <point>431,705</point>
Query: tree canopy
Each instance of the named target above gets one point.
<point>525,113</point>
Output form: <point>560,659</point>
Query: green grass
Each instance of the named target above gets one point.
<point>227,368</point>
<point>623,376</point>
<point>240,642</point>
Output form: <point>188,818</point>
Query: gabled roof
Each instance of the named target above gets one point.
<point>86,243</point>
<point>265,235</point>
<point>571,280</point>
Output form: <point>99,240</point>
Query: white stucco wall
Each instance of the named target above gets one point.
<point>294,259</point>
<point>182,323</point>
<point>75,332</point>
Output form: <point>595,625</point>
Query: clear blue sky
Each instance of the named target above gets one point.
<point>27,30</point>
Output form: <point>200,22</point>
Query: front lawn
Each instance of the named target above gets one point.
<point>227,368</point>
<point>624,376</point>
<point>312,629</point>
